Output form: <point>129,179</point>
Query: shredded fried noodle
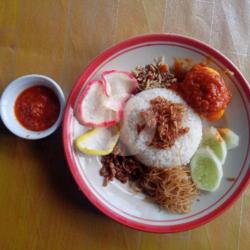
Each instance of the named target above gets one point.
<point>171,188</point>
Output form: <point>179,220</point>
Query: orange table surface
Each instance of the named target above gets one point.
<point>40,204</point>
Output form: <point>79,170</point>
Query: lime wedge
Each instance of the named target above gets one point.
<point>213,139</point>
<point>206,170</point>
<point>231,139</point>
<point>98,141</point>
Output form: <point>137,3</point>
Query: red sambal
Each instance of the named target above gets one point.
<point>37,108</point>
<point>205,91</point>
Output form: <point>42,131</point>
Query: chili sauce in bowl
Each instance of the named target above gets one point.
<point>37,108</point>
<point>32,106</point>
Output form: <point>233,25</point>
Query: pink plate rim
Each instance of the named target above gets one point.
<point>70,103</point>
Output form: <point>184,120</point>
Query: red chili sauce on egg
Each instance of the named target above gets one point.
<point>205,91</point>
<point>37,108</point>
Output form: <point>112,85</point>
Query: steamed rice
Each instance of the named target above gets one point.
<point>184,147</point>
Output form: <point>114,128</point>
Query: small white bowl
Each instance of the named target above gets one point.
<point>8,99</point>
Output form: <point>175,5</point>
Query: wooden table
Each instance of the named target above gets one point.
<point>40,205</point>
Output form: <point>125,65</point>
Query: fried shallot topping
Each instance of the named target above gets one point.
<point>166,118</point>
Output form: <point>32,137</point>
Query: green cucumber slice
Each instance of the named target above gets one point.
<point>231,138</point>
<point>206,169</point>
<point>213,139</point>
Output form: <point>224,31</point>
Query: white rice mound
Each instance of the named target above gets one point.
<point>183,149</point>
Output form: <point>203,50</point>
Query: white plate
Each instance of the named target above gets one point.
<point>118,200</point>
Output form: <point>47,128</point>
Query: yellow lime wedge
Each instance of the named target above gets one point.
<point>98,141</point>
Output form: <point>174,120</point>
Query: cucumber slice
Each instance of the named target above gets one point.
<point>206,169</point>
<point>231,139</point>
<point>213,139</point>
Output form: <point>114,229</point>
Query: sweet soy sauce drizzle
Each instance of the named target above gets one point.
<point>37,108</point>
